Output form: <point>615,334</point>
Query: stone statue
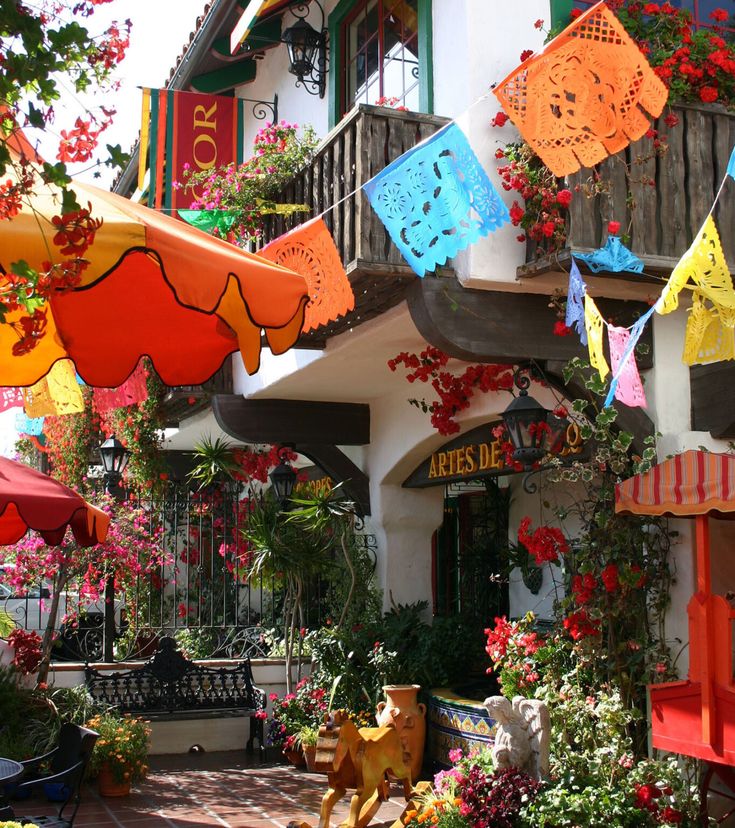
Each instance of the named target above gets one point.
<point>522,735</point>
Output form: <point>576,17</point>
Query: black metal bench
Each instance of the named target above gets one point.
<point>169,686</point>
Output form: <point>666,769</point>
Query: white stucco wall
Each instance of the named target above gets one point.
<point>476,43</point>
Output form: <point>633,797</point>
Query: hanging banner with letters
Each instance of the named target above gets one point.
<point>187,132</point>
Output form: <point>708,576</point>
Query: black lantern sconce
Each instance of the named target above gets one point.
<point>533,430</point>
<point>283,478</point>
<point>307,50</point>
<point>114,458</point>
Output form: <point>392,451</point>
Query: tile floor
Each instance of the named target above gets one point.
<point>222,789</point>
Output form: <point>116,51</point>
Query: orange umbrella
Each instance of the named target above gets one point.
<point>31,500</point>
<point>154,286</point>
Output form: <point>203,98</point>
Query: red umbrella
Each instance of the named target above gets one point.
<point>31,500</point>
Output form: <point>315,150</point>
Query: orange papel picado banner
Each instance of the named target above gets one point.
<point>581,99</point>
<point>310,251</point>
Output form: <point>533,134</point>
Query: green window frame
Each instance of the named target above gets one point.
<point>426,64</point>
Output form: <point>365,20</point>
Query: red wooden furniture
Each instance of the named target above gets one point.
<point>695,717</point>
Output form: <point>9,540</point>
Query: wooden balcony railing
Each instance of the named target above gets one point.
<point>359,147</point>
<point>662,218</point>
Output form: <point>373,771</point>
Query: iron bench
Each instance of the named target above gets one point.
<point>169,686</point>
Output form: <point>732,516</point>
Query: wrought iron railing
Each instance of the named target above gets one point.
<point>199,593</point>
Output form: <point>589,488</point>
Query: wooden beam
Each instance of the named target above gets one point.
<point>342,470</point>
<point>491,326</point>
<point>712,389</point>
<point>225,79</point>
<point>292,421</point>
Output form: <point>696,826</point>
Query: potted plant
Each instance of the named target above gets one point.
<point>307,739</point>
<point>120,754</point>
<point>295,714</point>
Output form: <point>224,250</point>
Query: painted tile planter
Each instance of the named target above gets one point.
<point>456,722</point>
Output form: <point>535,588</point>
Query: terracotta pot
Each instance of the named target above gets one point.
<point>109,786</point>
<point>310,757</point>
<point>295,757</point>
<point>409,718</point>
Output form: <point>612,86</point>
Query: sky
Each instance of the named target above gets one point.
<point>160,30</point>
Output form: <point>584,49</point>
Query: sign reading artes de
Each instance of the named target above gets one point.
<point>186,132</point>
<point>472,456</point>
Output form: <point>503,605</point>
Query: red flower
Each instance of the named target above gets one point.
<point>539,24</point>
<point>613,228</point>
<point>547,228</point>
<point>708,94</point>
<point>499,120</point>
<point>526,54</point>
<point>609,577</point>
<point>575,13</point>
<point>671,120</point>
<point>499,153</point>
<point>579,625</point>
<point>718,15</point>
<point>564,197</point>
<point>560,329</point>
<point>516,214</point>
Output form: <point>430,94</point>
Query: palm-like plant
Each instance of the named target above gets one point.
<point>287,554</point>
<point>215,462</point>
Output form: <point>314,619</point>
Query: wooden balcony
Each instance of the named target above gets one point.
<point>662,218</point>
<point>182,401</point>
<point>359,147</point>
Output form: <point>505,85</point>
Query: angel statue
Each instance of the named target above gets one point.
<point>522,735</point>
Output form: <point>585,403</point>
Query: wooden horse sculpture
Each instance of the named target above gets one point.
<point>358,759</point>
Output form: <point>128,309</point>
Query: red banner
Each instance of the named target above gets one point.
<point>190,132</point>
<point>205,136</point>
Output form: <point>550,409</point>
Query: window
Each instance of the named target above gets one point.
<point>700,9</point>
<point>380,53</point>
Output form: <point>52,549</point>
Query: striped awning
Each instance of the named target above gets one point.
<point>691,483</point>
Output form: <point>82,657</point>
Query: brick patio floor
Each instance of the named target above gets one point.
<point>224,789</point>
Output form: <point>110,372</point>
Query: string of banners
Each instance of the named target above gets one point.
<point>710,330</point>
<point>436,199</point>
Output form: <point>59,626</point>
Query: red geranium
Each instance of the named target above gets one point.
<point>708,94</point>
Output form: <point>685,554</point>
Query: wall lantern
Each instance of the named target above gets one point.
<point>307,51</point>
<point>533,430</point>
<point>114,458</point>
<point>283,478</point>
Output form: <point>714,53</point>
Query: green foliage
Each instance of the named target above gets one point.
<point>574,806</point>
<point>618,573</point>
<point>397,648</point>
<point>248,192</point>
<point>214,462</point>
<point>196,642</point>
<point>7,625</point>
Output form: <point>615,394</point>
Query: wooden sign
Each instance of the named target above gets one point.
<point>473,456</point>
